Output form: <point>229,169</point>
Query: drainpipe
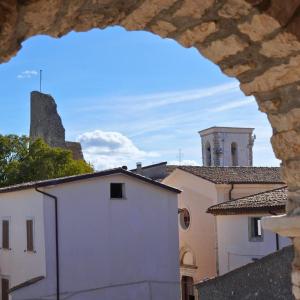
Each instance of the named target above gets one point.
<point>230,191</point>
<point>276,234</point>
<point>56,241</point>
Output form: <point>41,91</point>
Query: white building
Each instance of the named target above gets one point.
<point>116,238</point>
<point>241,239</point>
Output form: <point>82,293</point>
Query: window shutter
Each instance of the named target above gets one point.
<point>29,229</point>
<point>5,234</point>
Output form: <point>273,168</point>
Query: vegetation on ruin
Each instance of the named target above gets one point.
<point>22,160</point>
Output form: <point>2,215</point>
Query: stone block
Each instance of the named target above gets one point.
<point>220,49</point>
<point>290,170</point>
<point>286,144</point>
<point>282,45</point>
<point>197,34</point>
<point>193,8</point>
<point>163,28</point>
<point>274,77</point>
<point>236,70</point>
<point>259,26</point>
<point>287,121</point>
<point>234,9</point>
<point>269,106</point>
<point>139,18</point>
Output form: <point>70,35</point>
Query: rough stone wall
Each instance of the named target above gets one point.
<point>267,278</point>
<point>46,123</point>
<point>75,148</point>
<point>255,41</point>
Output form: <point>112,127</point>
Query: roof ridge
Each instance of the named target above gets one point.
<point>67,179</point>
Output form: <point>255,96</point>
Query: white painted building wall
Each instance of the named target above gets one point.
<point>234,247</point>
<point>16,264</point>
<point>110,249</point>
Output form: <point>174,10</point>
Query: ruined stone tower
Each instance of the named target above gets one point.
<point>46,123</point>
<point>227,146</point>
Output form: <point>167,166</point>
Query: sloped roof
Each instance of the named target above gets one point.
<point>273,200</point>
<point>227,175</point>
<point>56,181</point>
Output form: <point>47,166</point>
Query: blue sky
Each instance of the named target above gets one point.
<point>129,96</point>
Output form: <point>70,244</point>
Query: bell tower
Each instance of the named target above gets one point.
<point>227,146</point>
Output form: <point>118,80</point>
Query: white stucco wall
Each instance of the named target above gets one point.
<point>234,247</point>
<point>17,264</point>
<point>112,249</point>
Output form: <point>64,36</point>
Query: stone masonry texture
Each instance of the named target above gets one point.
<point>46,123</point>
<point>267,278</point>
<point>255,41</point>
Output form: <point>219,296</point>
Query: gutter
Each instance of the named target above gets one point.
<point>56,240</point>
<point>230,191</point>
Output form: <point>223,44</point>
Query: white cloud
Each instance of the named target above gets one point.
<point>233,104</point>
<point>184,162</point>
<point>108,149</point>
<point>156,100</point>
<point>27,74</point>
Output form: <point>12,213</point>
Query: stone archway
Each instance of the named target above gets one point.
<point>256,41</point>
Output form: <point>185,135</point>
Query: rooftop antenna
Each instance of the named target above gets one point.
<point>180,155</point>
<point>41,80</point>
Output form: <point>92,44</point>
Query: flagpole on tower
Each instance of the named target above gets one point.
<point>41,81</point>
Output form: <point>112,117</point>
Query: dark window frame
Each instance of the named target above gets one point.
<point>5,244</point>
<point>30,235</point>
<point>117,190</point>
<point>254,224</point>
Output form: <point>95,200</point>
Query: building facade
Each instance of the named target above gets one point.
<point>241,238</point>
<point>106,245</point>
<point>199,232</point>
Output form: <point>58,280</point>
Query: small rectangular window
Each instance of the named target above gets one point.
<point>4,288</point>
<point>5,234</point>
<point>116,190</point>
<point>29,233</point>
<point>255,229</point>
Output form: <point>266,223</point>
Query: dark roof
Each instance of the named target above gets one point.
<point>268,201</point>
<point>240,175</point>
<point>26,283</point>
<point>151,166</point>
<point>56,181</point>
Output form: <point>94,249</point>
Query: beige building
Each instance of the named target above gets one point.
<point>201,188</point>
<point>227,174</point>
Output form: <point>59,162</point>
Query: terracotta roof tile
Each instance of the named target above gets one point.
<point>273,200</point>
<point>236,174</point>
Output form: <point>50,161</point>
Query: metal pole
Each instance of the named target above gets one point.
<point>40,81</point>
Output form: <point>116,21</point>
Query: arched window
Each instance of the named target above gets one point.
<point>208,154</point>
<point>234,154</point>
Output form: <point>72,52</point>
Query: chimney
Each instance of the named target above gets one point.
<point>124,168</point>
<point>139,168</point>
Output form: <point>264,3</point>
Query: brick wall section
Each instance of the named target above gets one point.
<point>255,41</point>
<point>267,278</point>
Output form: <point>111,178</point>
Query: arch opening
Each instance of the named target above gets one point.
<point>260,48</point>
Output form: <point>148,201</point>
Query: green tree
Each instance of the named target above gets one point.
<point>22,161</point>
